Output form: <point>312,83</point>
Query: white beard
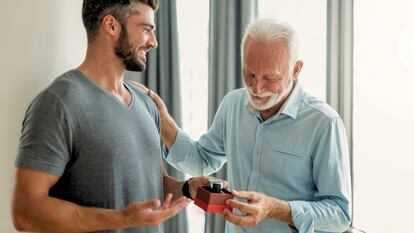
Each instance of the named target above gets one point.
<point>274,99</point>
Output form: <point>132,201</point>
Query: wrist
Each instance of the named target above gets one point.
<point>186,189</point>
<point>271,207</point>
<point>280,210</point>
<point>100,219</point>
<point>122,217</point>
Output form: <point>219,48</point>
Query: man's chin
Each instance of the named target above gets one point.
<point>135,66</point>
<point>262,106</point>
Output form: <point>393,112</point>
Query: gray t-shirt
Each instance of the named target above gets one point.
<point>105,153</point>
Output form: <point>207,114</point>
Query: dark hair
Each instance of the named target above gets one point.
<point>93,12</point>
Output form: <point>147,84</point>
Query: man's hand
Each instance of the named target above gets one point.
<point>169,129</point>
<point>157,100</point>
<point>258,207</point>
<point>150,213</point>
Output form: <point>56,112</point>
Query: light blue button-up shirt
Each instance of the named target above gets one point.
<point>299,155</point>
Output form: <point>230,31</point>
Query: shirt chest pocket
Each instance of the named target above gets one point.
<point>281,163</point>
<point>278,152</point>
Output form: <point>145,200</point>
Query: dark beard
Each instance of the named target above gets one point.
<point>127,53</point>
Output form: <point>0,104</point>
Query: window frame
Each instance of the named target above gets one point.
<point>339,83</point>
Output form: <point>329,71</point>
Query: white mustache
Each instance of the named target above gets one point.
<point>260,95</point>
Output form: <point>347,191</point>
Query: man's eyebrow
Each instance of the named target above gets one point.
<point>152,26</point>
<point>246,70</point>
<point>273,74</point>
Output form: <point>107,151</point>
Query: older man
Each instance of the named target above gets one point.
<point>285,148</point>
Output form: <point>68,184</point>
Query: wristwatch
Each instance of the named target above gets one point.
<point>186,189</point>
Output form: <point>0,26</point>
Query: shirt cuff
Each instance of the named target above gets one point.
<point>177,151</point>
<point>302,217</point>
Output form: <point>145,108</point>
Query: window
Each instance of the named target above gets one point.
<point>308,18</point>
<point>193,16</point>
<point>383,115</point>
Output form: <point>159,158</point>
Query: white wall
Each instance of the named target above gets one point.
<point>38,41</point>
<point>383,118</point>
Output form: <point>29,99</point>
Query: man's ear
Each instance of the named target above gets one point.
<point>296,70</point>
<point>110,25</point>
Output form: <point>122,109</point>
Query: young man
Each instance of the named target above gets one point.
<point>89,157</point>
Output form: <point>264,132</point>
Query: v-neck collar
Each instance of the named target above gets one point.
<point>106,93</point>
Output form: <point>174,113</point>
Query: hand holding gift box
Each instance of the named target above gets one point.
<point>212,198</point>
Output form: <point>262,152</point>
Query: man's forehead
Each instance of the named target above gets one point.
<point>141,8</point>
<point>277,44</point>
<point>267,58</point>
<point>143,15</point>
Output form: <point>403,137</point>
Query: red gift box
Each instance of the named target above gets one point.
<point>212,202</point>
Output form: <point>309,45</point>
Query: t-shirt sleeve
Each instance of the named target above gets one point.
<point>47,136</point>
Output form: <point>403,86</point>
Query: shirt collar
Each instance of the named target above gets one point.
<point>289,108</point>
<point>292,104</point>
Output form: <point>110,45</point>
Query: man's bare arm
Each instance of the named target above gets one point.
<point>34,210</point>
<point>173,186</point>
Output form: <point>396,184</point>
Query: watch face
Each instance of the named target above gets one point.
<point>215,184</point>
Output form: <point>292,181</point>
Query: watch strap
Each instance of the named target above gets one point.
<point>186,189</point>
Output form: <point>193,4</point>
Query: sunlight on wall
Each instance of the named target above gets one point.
<point>383,115</point>
<point>40,40</point>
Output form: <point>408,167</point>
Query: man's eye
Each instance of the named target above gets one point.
<point>275,79</point>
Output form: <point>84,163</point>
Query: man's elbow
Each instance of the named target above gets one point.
<point>18,221</point>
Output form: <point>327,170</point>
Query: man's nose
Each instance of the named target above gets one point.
<point>257,86</point>
<point>152,41</point>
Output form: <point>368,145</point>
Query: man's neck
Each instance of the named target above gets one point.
<point>104,69</point>
<point>266,114</point>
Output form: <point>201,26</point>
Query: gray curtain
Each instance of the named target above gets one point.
<point>228,20</point>
<point>163,76</point>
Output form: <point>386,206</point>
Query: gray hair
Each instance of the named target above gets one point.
<point>270,30</point>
